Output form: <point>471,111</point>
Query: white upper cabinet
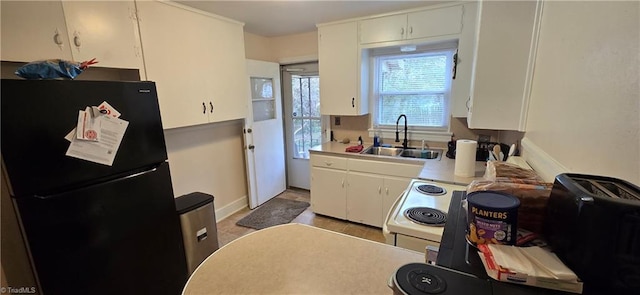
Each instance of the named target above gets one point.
<point>382,29</point>
<point>414,25</point>
<point>434,22</point>
<point>461,84</point>
<point>197,62</point>
<point>343,90</point>
<point>105,30</point>
<point>505,52</point>
<point>71,30</point>
<point>33,31</point>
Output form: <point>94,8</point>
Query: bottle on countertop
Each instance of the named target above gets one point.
<point>376,138</point>
<point>359,140</point>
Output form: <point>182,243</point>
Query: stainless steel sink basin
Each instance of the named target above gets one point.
<point>382,151</point>
<point>429,154</point>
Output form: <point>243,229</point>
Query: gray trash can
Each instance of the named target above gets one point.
<point>198,223</point>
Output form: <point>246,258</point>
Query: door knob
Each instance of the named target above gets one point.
<point>249,130</point>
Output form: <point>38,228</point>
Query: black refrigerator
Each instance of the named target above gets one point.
<point>91,228</point>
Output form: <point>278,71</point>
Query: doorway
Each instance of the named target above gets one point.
<point>302,120</point>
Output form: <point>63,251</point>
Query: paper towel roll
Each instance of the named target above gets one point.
<point>465,158</point>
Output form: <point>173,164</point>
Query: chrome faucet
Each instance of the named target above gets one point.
<point>404,142</point>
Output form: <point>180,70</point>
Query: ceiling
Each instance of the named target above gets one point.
<point>279,18</point>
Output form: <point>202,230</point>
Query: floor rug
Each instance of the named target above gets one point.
<point>273,212</point>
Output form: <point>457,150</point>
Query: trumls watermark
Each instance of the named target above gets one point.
<point>17,290</point>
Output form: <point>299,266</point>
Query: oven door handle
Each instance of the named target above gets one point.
<point>385,230</point>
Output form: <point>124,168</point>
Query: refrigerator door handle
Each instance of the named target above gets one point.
<point>45,197</point>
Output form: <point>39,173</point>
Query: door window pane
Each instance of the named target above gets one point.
<point>307,129</point>
<point>262,99</point>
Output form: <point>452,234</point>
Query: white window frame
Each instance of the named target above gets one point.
<point>413,132</point>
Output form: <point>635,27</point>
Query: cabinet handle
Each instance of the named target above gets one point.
<point>328,163</point>
<point>353,102</point>
<point>251,147</point>
<point>57,38</point>
<point>410,30</point>
<point>386,191</point>
<point>455,65</point>
<point>204,108</point>
<point>76,41</point>
<point>211,104</point>
<point>401,31</point>
<point>379,189</point>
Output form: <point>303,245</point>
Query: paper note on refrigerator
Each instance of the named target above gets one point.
<point>88,127</point>
<point>104,151</point>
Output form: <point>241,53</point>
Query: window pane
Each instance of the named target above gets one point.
<point>413,74</point>
<point>296,97</point>
<point>316,132</point>
<point>421,110</point>
<point>298,139</point>
<point>263,110</point>
<point>315,96</point>
<point>304,92</point>
<point>261,88</point>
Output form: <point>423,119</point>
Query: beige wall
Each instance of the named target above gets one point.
<point>284,50</point>
<point>584,110</point>
<point>258,48</point>
<point>210,159</point>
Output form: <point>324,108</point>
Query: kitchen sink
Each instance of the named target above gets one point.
<point>382,151</point>
<point>431,154</point>
<point>428,154</point>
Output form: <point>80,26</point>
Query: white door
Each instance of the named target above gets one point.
<point>264,136</point>
<point>303,123</point>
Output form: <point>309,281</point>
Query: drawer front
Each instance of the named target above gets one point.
<point>328,162</point>
<point>386,168</point>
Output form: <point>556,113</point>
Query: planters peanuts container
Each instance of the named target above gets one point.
<point>492,218</point>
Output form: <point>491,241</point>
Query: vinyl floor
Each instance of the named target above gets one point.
<point>229,231</point>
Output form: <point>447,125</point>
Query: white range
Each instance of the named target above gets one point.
<point>416,220</point>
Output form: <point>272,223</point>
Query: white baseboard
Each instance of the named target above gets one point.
<point>231,208</point>
<point>545,165</point>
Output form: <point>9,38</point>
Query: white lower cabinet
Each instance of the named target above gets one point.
<point>392,189</point>
<point>370,196</point>
<point>329,192</point>
<point>364,202</point>
<point>361,191</point>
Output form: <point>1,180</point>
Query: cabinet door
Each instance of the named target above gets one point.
<point>339,68</point>
<point>176,46</point>
<point>382,29</point>
<point>461,85</point>
<point>364,198</point>
<point>228,80</point>
<point>393,188</point>
<point>33,31</point>
<point>504,64</point>
<point>434,22</point>
<point>328,192</point>
<point>105,30</point>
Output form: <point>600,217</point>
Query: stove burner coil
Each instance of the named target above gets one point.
<point>426,216</point>
<point>431,189</point>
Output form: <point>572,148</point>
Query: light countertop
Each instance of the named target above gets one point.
<point>436,170</point>
<point>299,259</point>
